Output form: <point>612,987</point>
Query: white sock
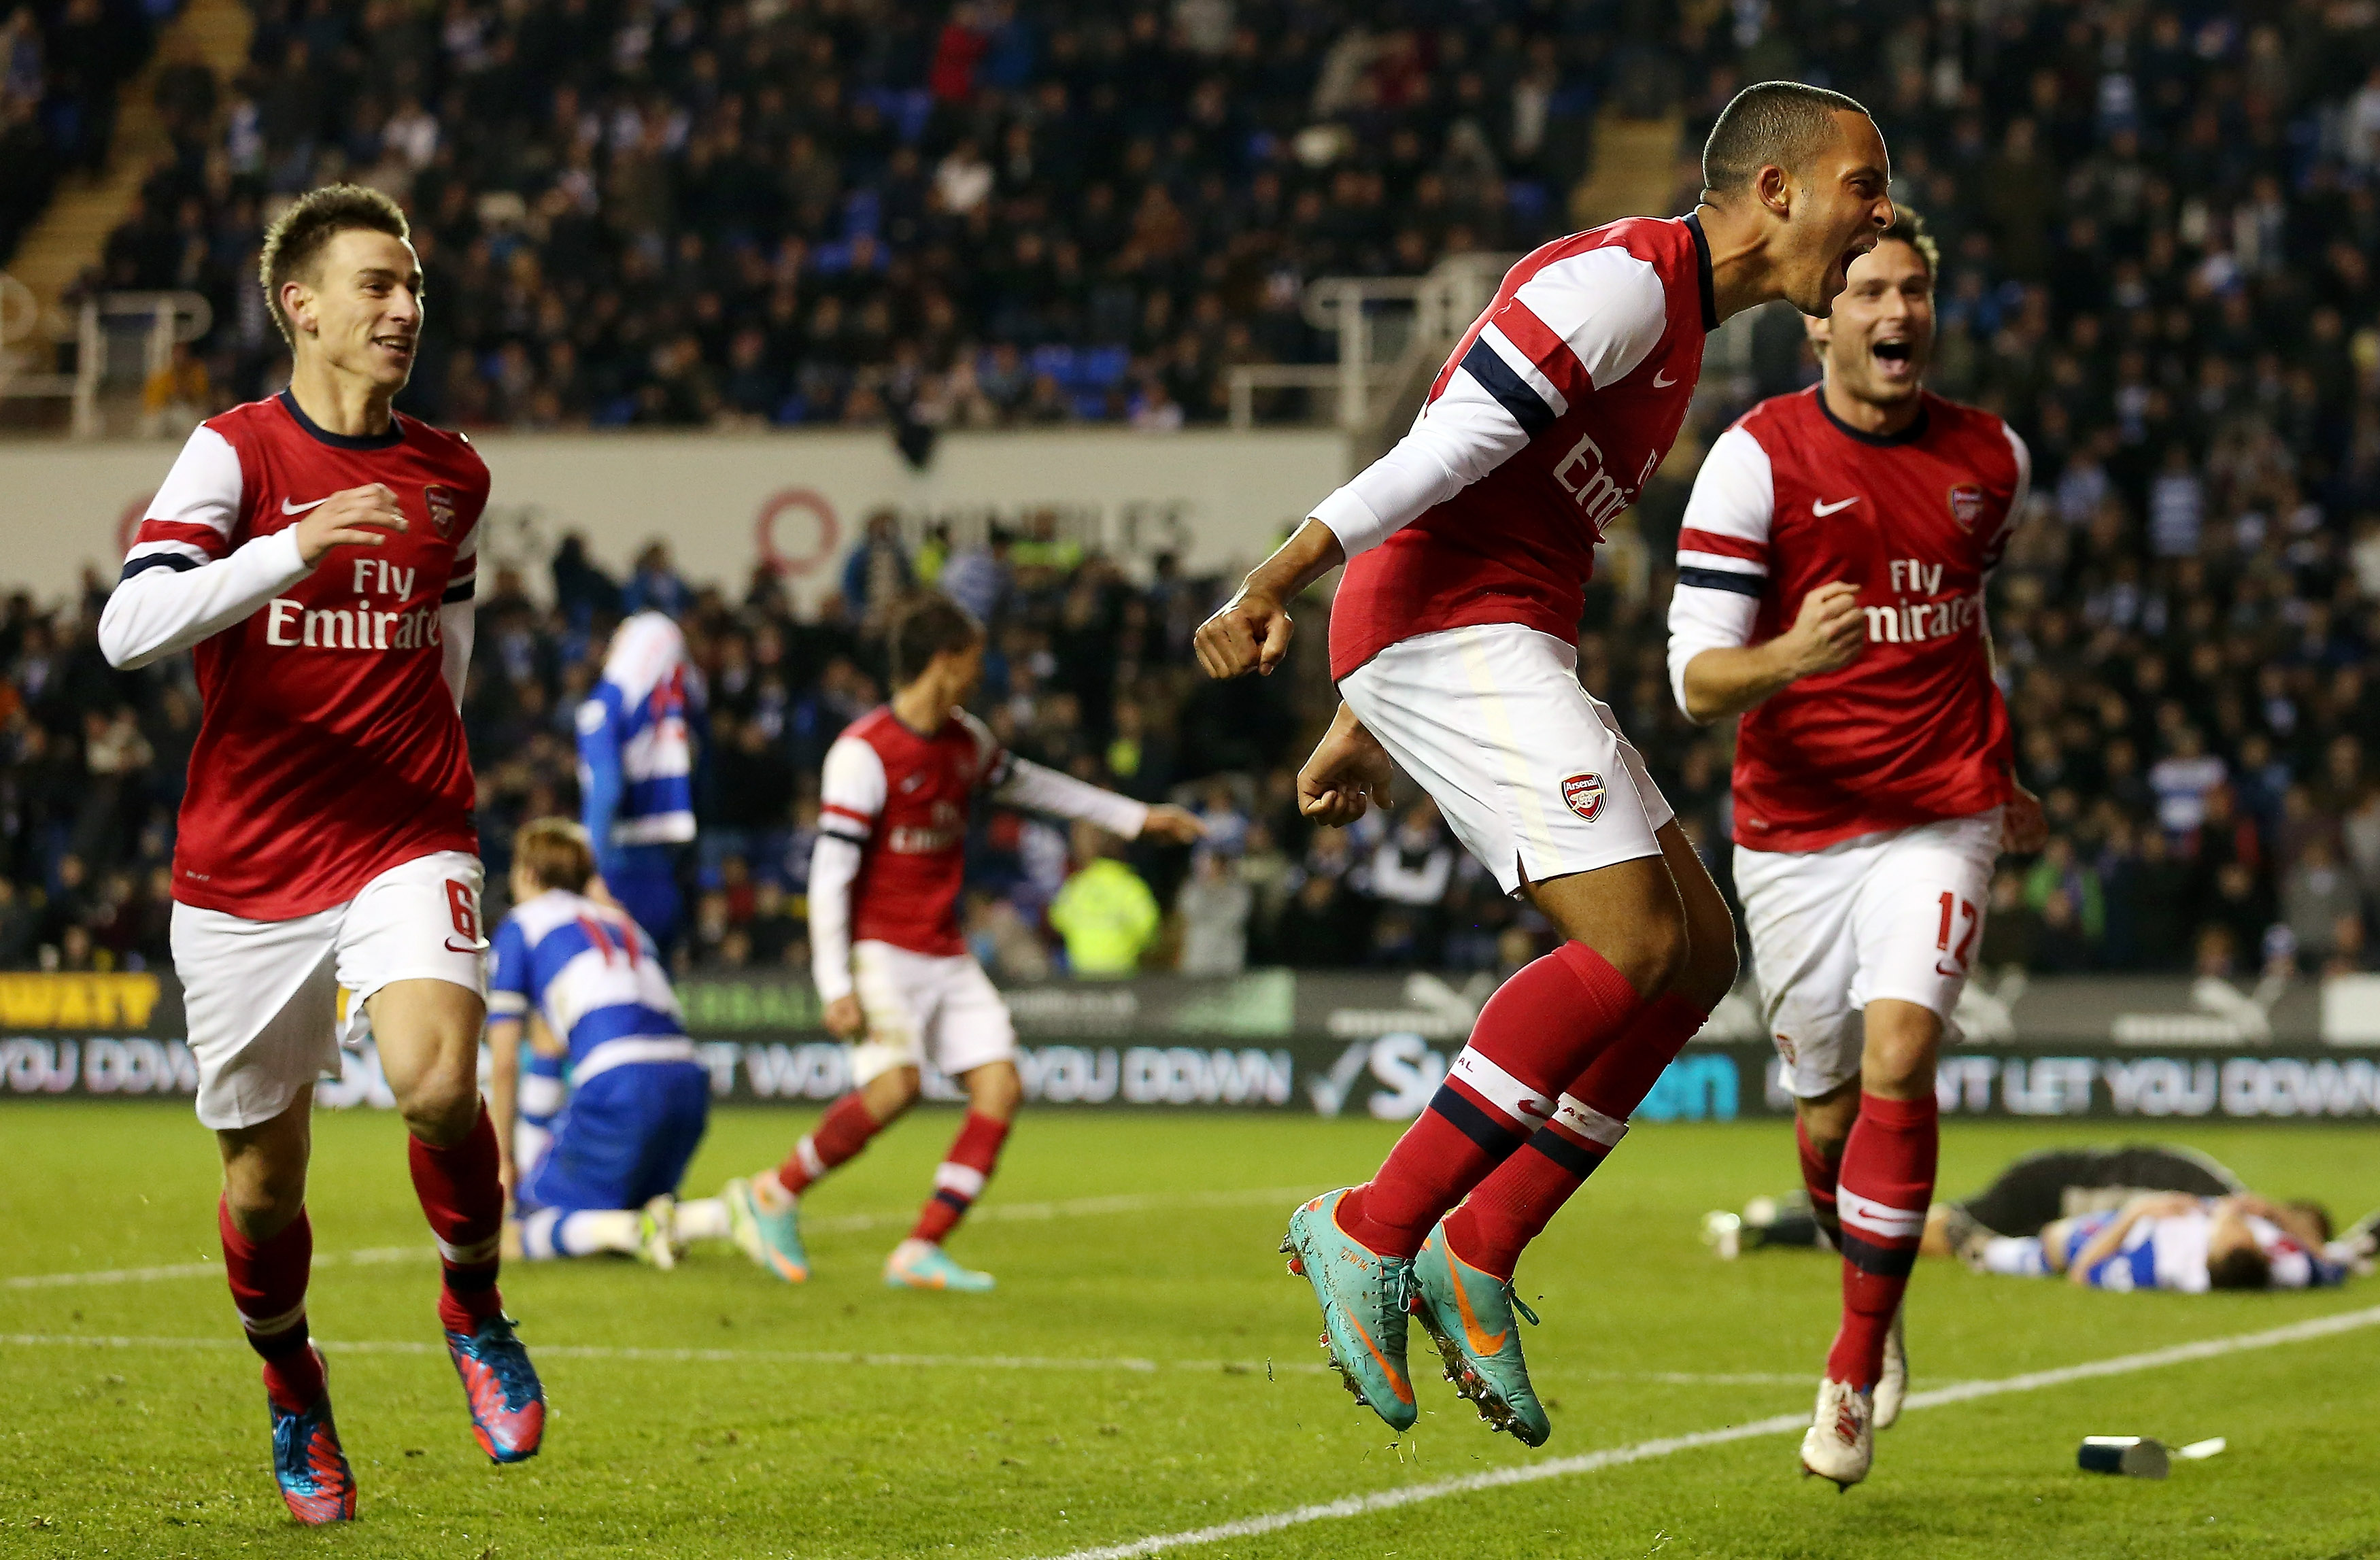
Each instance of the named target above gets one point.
<point>598,1230</point>
<point>537,1235</point>
<point>909,1250</point>
<point>703,1219</point>
<point>2019,1256</point>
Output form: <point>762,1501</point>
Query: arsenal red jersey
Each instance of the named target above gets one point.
<point>330,750</point>
<point>1913,729</point>
<point>902,796</point>
<point>1551,413</point>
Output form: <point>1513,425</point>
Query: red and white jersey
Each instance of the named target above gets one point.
<point>1554,409</point>
<point>330,749</point>
<point>1914,729</point>
<point>904,798</point>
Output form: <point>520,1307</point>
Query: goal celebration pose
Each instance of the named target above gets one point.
<point>1830,589</point>
<point>885,948</point>
<point>316,550</point>
<point>1453,644</point>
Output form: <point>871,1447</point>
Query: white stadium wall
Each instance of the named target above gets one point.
<point>725,501</point>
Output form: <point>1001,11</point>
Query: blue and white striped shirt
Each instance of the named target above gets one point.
<point>587,971</point>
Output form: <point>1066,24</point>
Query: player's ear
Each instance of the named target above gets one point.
<point>1772,188</point>
<point>1821,331</point>
<point>298,303</point>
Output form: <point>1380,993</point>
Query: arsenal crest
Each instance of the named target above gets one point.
<point>1966,505</point>
<point>1583,793</point>
<point>441,503</point>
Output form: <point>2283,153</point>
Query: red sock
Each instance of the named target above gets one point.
<point>1537,1033</point>
<point>268,1286</point>
<point>959,1179</point>
<point>465,1203</point>
<point>1513,1206</point>
<point>1819,1177</point>
<point>1888,1179</point>
<point>841,1133</point>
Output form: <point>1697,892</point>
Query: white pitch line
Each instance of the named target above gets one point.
<point>1778,1424</point>
<point>1123,1363</point>
<point>841,1224</point>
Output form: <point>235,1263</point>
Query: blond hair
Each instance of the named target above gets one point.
<point>554,853</point>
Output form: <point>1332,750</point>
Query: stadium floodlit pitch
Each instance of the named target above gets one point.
<point>1146,1371</point>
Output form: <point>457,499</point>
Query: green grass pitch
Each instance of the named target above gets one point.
<point>1010,1438</point>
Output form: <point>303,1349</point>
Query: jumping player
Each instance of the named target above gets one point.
<point>317,550</point>
<point>1453,642</point>
<point>1831,583</point>
<point>594,1164</point>
<point>885,948</point>
<point>635,770</point>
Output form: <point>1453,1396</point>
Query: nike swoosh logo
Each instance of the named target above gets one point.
<point>1482,1343</point>
<point>1818,508</point>
<point>1661,380</point>
<point>465,948</point>
<point>289,508</point>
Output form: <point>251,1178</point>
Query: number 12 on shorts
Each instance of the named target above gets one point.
<point>1951,902</point>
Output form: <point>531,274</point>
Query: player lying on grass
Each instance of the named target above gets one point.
<point>1830,591</point>
<point>1454,640</point>
<point>593,1163</point>
<point>2032,1190</point>
<point>2172,1240</point>
<point>891,965</point>
<point>316,551</point>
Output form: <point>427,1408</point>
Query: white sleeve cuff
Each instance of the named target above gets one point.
<point>1351,521</point>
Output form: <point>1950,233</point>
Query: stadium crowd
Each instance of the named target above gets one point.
<point>60,68</point>
<point>2157,222</point>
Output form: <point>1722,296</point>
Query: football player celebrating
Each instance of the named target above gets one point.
<point>1830,589</point>
<point>582,983</point>
<point>885,948</point>
<point>1454,639</point>
<point>317,550</point>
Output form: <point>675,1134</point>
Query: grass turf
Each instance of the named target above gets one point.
<point>148,1450</point>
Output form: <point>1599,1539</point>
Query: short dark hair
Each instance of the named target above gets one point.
<point>2310,1208</point>
<point>931,625</point>
<point>1780,122</point>
<point>297,237</point>
<point>1908,227</point>
<point>2242,1267</point>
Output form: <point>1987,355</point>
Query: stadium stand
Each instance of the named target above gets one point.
<point>2157,224</point>
<point>60,67</point>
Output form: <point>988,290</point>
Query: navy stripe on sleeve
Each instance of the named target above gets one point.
<point>1512,392</point>
<point>1722,580</point>
<point>174,561</point>
<point>459,591</point>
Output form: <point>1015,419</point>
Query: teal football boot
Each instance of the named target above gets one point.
<point>1363,1297</point>
<point>1469,1314</point>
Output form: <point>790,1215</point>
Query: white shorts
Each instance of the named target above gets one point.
<point>1887,915</point>
<point>922,1005</point>
<point>1529,768</point>
<point>262,997</point>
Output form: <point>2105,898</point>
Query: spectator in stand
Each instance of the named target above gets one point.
<point>1105,912</point>
<point>1214,906</point>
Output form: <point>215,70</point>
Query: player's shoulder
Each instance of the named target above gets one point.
<point>538,918</point>
<point>1780,418</point>
<point>1646,252</point>
<point>449,447</point>
<point>964,725</point>
<point>1980,435</point>
<point>253,422</point>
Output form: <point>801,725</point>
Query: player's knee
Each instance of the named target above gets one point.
<point>440,1107</point>
<point>263,1198</point>
<point>994,1090</point>
<point>1655,952</point>
<point>1898,1053</point>
<point>1710,968</point>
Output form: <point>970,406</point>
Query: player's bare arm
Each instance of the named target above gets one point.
<point>1828,633</point>
<point>1250,632</point>
<point>1348,773</point>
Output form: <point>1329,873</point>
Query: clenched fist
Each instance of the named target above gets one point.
<point>357,517</point>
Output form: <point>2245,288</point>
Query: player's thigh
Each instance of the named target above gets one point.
<point>413,956</point>
<point>260,1001</point>
<point>897,997</point>
<point>972,1026</point>
<point>599,1148</point>
<point>1532,776</point>
<point>680,1096</point>
<point>1917,913</point>
<point>1797,915</point>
